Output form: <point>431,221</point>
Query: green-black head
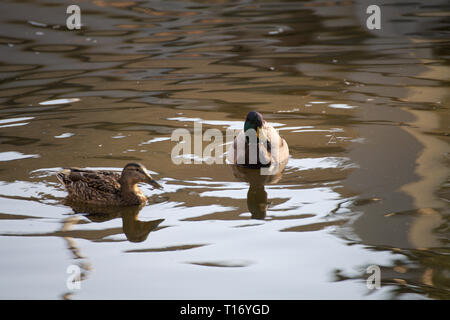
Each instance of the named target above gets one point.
<point>253,121</point>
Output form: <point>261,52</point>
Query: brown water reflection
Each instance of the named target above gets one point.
<point>365,114</point>
<point>257,202</point>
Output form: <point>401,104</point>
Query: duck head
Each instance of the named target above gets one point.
<point>255,121</point>
<point>134,173</point>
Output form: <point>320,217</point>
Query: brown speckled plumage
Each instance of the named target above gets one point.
<point>106,187</point>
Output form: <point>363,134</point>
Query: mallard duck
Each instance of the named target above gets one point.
<point>106,187</point>
<point>259,144</point>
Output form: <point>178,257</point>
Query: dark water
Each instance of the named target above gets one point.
<point>365,114</point>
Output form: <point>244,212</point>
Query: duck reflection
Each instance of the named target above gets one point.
<point>134,229</point>
<point>257,200</point>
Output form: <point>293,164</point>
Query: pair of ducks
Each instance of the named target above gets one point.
<point>114,189</point>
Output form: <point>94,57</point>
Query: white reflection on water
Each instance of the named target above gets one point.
<point>64,135</point>
<point>321,163</point>
<point>59,101</point>
<point>15,119</point>
<point>14,155</point>
<point>30,190</point>
<point>5,123</point>
<point>14,125</point>
<point>341,106</point>
<point>154,140</point>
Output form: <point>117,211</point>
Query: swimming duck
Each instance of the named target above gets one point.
<point>106,187</point>
<point>259,144</point>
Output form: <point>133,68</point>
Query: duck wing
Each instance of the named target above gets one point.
<point>277,146</point>
<point>89,185</point>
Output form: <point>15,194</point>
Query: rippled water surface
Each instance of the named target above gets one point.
<point>365,114</point>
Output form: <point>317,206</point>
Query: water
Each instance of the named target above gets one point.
<point>365,114</point>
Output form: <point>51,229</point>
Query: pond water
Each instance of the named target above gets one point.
<point>365,114</point>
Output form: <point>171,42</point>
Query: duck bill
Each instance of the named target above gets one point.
<point>153,182</point>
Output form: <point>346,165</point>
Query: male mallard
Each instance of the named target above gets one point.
<point>259,145</point>
<point>106,187</point>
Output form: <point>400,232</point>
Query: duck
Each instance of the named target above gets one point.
<point>259,145</point>
<point>109,188</point>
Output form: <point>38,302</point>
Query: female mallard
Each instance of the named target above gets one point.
<point>107,187</point>
<point>259,145</point>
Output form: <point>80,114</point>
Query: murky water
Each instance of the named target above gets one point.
<point>365,114</point>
